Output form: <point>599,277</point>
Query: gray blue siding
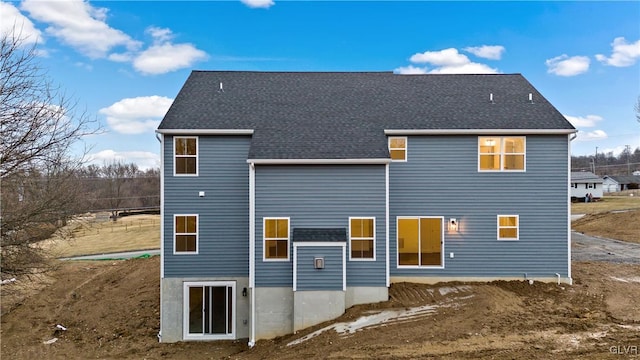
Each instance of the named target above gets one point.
<point>310,278</point>
<point>441,178</point>
<point>223,211</point>
<point>321,196</point>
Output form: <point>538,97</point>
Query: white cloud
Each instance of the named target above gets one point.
<point>13,22</point>
<point>564,65</point>
<point>586,121</point>
<point>144,159</point>
<point>447,61</point>
<point>80,25</point>
<point>493,52</point>
<point>591,135</point>
<point>624,53</point>
<point>160,35</point>
<point>136,115</point>
<point>446,57</point>
<point>258,3</point>
<point>160,59</point>
<point>410,70</point>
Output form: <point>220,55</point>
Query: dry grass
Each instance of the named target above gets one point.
<point>613,225</point>
<point>608,203</point>
<point>138,232</point>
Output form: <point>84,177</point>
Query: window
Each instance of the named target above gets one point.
<point>508,226</point>
<point>420,241</point>
<point>185,232</point>
<point>276,238</point>
<point>501,153</point>
<point>398,148</point>
<point>186,155</point>
<point>209,311</point>
<point>362,238</point>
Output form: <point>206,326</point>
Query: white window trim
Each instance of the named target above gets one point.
<point>406,148</point>
<point>517,227</point>
<point>264,239</point>
<point>196,156</point>
<point>185,310</point>
<point>196,234</point>
<point>363,238</point>
<point>442,224</point>
<point>502,154</point>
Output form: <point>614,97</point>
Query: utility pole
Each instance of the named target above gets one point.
<point>628,148</point>
<point>596,161</point>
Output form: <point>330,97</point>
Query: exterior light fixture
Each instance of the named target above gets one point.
<point>318,263</point>
<point>453,224</point>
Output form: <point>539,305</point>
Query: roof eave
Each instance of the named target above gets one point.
<point>205,131</point>
<point>318,161</point>
<point>479,131</point>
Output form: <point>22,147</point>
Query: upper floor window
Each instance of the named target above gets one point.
<point>508,227</point>
<point>185,155</point>
<point>185,232</point>
<point>276,238</point>
<point>398,148</point>
<point>362,238</point>
<point>499,153</point>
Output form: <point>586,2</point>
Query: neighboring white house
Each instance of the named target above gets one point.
<point>585,182</point>
<point>613,183</point>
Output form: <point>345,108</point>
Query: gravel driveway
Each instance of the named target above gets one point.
<point>589,248</point>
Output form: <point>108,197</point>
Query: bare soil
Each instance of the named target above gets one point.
<point>111,311</point>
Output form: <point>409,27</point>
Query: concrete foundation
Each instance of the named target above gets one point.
<point>274,312</point>
<point>357,295</point>
<point>314,307</point>
<point>172,307</point>
<point>438,279</point>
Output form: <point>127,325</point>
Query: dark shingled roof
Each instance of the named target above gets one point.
<point>320,234</point>
<point>343,115</point>
<point>585,176</point>
<point>625,179</point>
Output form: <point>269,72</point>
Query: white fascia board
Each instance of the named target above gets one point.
<point>205,131</point>
<point>479,131</point>
<point>319,243</point>
<point>318,161</point>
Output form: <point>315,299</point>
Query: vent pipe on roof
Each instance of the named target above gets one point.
<point>491,98</point>
<point>221,88</point>
<point>531,98</point>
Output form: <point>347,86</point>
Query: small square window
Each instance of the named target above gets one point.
<point>398,148</point>
<point>185,155</point>
<point>276,238</point>
<point>185,234</point>
<point>362,238</point>
<point>508,227</point>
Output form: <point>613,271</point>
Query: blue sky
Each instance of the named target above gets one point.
<point>124,62</point>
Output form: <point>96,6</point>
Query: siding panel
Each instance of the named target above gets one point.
<point>310,278</point>
<point>441,178</point>
<point>321,196</point>
<point>223,211</point>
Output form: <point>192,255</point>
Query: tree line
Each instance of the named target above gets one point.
<point>602,164</point>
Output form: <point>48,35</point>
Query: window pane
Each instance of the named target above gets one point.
<point>508,233</point>
<point>397,142</point>
<point>180,146</point>
<point>191,224</point>
<point>283,228</point>
<point>282,249</point>
<point>185,243</point>
<point>276,249</point>
<point>489,162</point>
<point>489,145</point>
<point>408,241</point>
<point>181,226</point>
<point>398,154</point>
<point>430,237</point>
<point>190,165</point>
<point>367,228</point>
<point>195,310</point>
<point>191,147</point>
<point>270,228</point>
<point>508,221</point>
<point>362,249</point>
<point>514,162</point>
<point>514,145</point>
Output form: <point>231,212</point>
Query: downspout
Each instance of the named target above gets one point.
<point>571,138</point>
<point>386,226</point>
<point>252,252</point>
<point>161,140</point>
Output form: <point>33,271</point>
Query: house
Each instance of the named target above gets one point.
<point>615,183</point>
<point>288,197</point>
<point>584,183</point>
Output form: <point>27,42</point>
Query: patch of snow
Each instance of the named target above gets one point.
<point>455,289</point>
<point>371,321</point>
<point>51,341</point>
<point>626,280</point>
<point>8,281</point>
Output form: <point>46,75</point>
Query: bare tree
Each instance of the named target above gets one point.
<point>638,109</point>
<point>38,127</point>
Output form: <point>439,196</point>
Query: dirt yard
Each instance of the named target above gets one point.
<point>110,310</point>
<point>621,225</point>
